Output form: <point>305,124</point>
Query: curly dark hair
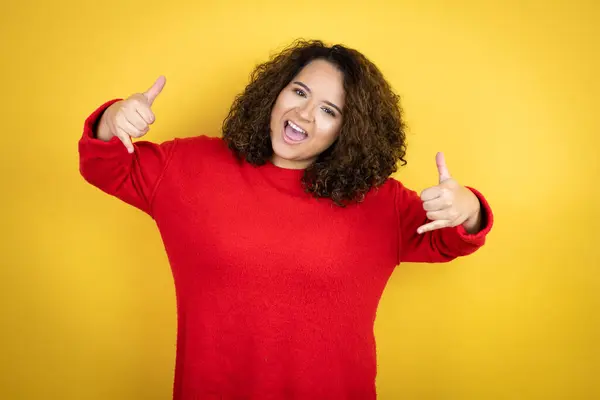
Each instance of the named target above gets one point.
<point>372,137</point>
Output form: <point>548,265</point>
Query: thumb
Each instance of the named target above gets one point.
<point>155,90</point>
<point>441,166</point>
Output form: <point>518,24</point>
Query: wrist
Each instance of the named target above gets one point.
<point>102,130</point>
<point>473,222</point>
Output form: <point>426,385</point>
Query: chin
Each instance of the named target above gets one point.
<point>282,150</point>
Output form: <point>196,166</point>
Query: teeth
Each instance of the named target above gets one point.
<point>296,127</point>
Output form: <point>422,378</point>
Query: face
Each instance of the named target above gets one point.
<point>307,116</point>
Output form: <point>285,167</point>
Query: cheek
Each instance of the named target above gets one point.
<point>287,100</point>
<point>277,106</point>
<point>329,127</point>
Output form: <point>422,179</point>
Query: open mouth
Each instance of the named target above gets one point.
<point>292,133</point>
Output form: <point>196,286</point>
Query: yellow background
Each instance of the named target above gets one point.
<point>508,90</point>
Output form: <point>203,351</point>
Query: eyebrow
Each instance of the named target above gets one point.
<point>309,91</point>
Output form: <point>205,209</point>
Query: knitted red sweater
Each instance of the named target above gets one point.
<point>276,291</point>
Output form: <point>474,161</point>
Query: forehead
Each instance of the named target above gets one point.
<point>323,78</point>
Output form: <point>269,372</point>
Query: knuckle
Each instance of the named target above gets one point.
<point>121,118</point>
<point>134,98</point>
<point>132,104</point>
<point>126,104</point>
<point>130,114</point>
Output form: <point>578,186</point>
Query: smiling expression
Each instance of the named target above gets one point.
<point>307,115</point>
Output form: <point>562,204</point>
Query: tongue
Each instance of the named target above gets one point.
<point>293,134</point>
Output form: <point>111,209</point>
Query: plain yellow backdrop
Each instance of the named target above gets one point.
<point>508,90</point>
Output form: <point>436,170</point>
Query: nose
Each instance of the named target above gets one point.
<point>306,111</point>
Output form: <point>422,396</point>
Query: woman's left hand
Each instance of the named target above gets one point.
<point>450,204</point>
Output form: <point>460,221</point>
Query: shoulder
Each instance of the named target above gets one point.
<point>382,196</point>
<point>201,155</point>
<point>395,193</point>
<point>391,188</point>
<point>201,147</point>
<point>200,143</point>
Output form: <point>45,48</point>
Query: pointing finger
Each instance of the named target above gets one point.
<point>124,137</point>
<point>439,224</point>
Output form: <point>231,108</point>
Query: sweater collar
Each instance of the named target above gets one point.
<point>286,179</point>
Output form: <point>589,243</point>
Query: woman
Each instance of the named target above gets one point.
<point>282,234</point>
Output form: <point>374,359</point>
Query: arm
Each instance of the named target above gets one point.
<point>439,245</point>
<point>106,163</point>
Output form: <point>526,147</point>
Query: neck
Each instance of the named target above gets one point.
<point>290,164</point>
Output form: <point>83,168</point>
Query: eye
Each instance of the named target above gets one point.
<point>328,111</point>
<point>300,92</point>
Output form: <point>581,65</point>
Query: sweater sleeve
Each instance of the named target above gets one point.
<point>132,178</point>
<point>440,245</point>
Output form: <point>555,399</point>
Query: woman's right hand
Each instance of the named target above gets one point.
<point>130,118</point>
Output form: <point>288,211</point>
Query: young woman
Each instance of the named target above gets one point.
<point>282,233</point>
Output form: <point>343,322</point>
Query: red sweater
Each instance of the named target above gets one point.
<point>276,291</point>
